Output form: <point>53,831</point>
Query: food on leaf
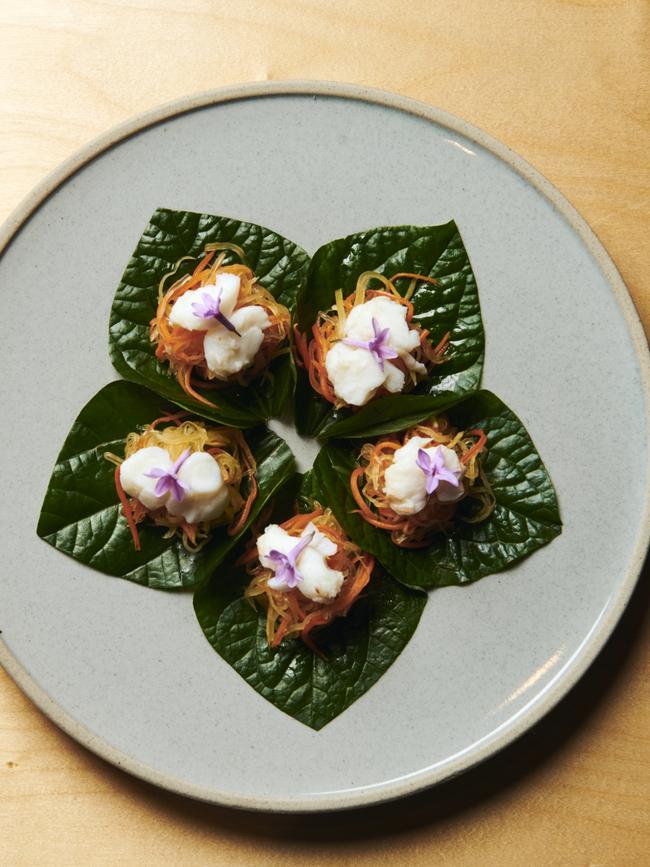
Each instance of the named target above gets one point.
<point>415,281</point>
<point>305,572</point>
<point>84,516</point>
<point>308,628</point>
<point>187,477</point>
<point>218,325</point>
<point>410,484</point>
<point>221,340</point>
<point>367,345</point>
<point>411,515</point>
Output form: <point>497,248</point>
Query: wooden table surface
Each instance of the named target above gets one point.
<point>566,85</point>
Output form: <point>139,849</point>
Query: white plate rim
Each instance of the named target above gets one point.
<point>597,637</point>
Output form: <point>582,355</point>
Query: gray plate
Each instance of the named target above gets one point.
<point>125,670</point>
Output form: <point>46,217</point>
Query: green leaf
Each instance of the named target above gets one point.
<point>450,306</point>
<point>81,514</point>
<point>358,648</point>
<point>525,518</point>
<point>280,267</point>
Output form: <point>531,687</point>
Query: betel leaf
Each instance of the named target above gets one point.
<point>451,305</point>
<point>81,515</point>
<point>358,649</point>
<point>280,267</point>
<point>525,518</point>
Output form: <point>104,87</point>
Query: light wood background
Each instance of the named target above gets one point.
<point>567,85</point>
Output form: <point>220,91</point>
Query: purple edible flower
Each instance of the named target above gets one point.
<point>435,470</point>
<point>378,345</point>
<point>210,308</point>
<point>286,572</point>
<point>168,481</point>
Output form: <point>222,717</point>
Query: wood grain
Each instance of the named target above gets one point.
<point>567,85</point>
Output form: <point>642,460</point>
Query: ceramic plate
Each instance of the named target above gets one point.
<point>126,670</point>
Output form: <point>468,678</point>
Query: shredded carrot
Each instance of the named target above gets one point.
<point>127,511</point>
<point>183,349</point>
<point>201,266</point>
<point>420,277</point>
<point>175,418</point>
<point>302,358</point>
<point>249,462</point>
<point>185,380</point>
<point>311,353</point>
<point>367,484</point>
<point>477,447</point>
<point>289,613</point>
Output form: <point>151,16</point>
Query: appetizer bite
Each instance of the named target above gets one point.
<point>411,484</point>
<point>367,344</point>
<point>218,326</point>
<point>187,478</point>
<point>303,615</point>
<point>305,572</point>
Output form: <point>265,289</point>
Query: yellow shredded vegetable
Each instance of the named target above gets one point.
<point>226,445</point>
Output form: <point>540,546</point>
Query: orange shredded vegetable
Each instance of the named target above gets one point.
<point>289,613</point>
<point>367,484</point>
<point>127,510</point>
